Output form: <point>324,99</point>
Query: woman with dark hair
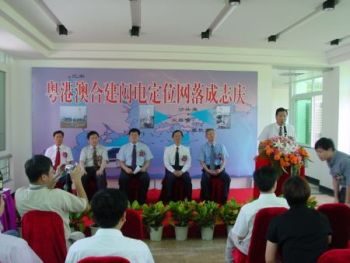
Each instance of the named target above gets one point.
<point>301,233</point>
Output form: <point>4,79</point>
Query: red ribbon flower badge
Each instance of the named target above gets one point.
<point>142,153</point>
<point>64,154</point>
<point>184,158</point>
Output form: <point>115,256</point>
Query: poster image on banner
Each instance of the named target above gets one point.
<point>146,116</point>
<point>73,117</point>
<point>158,102</point>
<point>223,117</point>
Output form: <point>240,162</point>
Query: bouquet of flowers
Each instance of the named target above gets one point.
<point>284,153</point>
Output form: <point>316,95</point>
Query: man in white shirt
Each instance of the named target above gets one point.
<point>40,194</point>
<point>109,209</point>
<point>14,249</point>
<point>60,155</point>
<point>239,236</point>
<point>177,161</point>
<point>93,161</point>
<point>134,158</point>
<point>279,128</point>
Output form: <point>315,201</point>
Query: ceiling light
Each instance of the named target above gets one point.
<point>225,12</point>
<point>135,8</point>
<point>335,42</point>
<point>326,6</point>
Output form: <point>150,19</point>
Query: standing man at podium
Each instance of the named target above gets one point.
<point>279,128</point>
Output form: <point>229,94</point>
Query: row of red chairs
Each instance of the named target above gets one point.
<point>339,219</point>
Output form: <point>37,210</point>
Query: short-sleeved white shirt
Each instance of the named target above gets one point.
<point>245,221</point>
<point>110,242</point>
<point>16,250</point>
<point>65,152</point>
<point>87,152</point>
<point>36,197</point>
<point>272,130</point>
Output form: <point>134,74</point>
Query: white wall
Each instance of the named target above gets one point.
<point>21,109</point>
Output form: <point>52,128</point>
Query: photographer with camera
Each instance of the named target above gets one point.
<point>40,194</point>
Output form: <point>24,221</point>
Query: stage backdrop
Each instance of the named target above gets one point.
<point>111,101</point>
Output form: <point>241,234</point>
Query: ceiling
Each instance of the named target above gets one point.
<point>180,22</point>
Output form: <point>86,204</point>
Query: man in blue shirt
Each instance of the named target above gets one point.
<point>339,166</point>
<point>134,159</point>
<point>212,157</point>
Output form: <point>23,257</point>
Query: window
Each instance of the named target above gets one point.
<point>2,111</point>
<point>307,109</point>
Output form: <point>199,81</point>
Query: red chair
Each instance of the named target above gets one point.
<point>335,256</point>
<point>178,190</point>
<point>217,190</point>
<point>133,188</point>
<point>339,219</point>
<point>44,233</point>
<point>256,252</point>
<point>133,226</point>
<point>110,259</point>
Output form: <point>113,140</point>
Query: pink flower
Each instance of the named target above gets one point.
<point>142,153</point>
<point>184,158</point>
<point>64,154</point>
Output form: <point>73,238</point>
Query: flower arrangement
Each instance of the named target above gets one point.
<point>81,221</point>
<point>284,153</point>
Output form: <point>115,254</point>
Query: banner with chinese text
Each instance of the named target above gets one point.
<point>111,101</point>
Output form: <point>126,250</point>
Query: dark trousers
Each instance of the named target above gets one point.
<point>169,185</point>
<point>124,185</point>
<point>65,183</point>
<point>206,186</point>
<point>92,182</point>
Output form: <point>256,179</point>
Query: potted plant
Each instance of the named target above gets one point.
<point>181,212</point>
<point>82,222</point>
<point>311,202</point>
<point>153,216</point>
<point>205,216</point>
<point>229,213</point>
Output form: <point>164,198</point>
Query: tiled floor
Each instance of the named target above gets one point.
<point>195,250</point>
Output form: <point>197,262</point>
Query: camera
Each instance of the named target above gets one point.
<point>69,168</point>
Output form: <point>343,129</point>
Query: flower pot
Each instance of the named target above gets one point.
<point>156,233</point>
<point>207,232</point>
<point>228,228</point>
<point>181,233</point>
<point>93,229</point>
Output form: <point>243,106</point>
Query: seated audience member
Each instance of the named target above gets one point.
<point>40,194</point>
<point>177,161</point>
<point>60,155</point>
<point>213,157</point>
<point>93,161</point>
<point>14,249</point>
<point>239,237</point>
<point>301,233</point>
<point>109,209</point>
<point>134,158</point>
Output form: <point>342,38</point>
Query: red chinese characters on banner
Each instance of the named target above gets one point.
<point>165,93</point>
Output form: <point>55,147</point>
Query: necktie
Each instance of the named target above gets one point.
<point>280,132</point>
<point>94,158</point>
<point>285,131</point>
<point>177,159</point>
<point>212,157</point>
<point>133,157</point>
<point>57,158</point>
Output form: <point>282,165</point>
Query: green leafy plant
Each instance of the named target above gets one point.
<point>206,213</point>
<point>229,212</point>
<point>182,212</point>
<point>135,205</point>
<point>311,202</point>
<point>154,214</point>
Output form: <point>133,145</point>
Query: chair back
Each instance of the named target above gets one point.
<point>109,259</point>
<point>335,256</point>
<point>256,252</point>
<point>44,233</point>
<point>339,219</point>
<point>133,227</point>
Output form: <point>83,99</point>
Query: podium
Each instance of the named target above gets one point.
<point>260,162</point>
